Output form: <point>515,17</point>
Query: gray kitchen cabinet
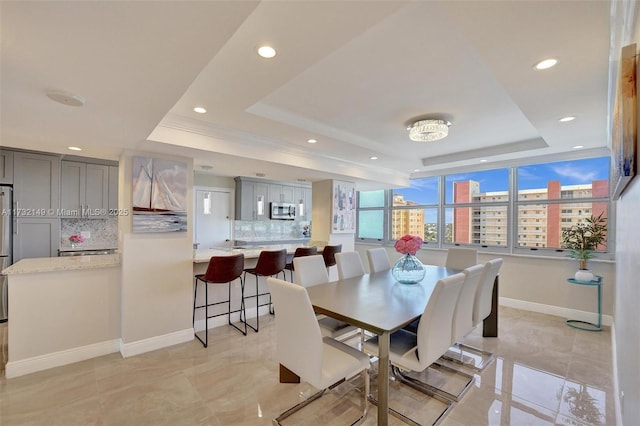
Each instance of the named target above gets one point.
<point>36,237</point>
<point>84,190</point>
<point>279,193</point>
<point>6,166</point>
<point>36,180</point>
<point>302,196</point>
<point>251,200</point>
<point>113,189</point>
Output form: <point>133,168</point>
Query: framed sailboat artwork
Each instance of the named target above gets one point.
<point>159,195</point>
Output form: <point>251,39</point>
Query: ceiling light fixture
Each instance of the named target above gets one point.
<point>74,148</point>
<point>266,51</point>
<point>65,98</point>
<point>483,161</point>
<point>428,130</point>
<point>311,141</point>
<point>373,157</point>
<point>546,64</point>
<point>567,119</point>
<point>200,110</point>
<point>578,147</point>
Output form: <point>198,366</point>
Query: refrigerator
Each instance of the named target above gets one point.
<point>6,238</point>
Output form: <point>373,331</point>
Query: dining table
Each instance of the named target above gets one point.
<point>381,305</point>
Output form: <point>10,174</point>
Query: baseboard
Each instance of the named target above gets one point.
<point>56,359</point>
<point>156,342</point>
<point>235,317</point>
<point>616,384</point>
<point>555,310</point>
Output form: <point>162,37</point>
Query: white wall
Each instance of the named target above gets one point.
<point>157,274</point>
<point>627,301</point>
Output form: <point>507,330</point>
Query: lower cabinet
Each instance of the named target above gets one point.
<point>36,237</point>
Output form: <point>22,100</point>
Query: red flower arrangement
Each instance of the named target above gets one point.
<point>76,239</point>
<point>408,244</point>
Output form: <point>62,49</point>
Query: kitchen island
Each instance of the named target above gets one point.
<point>62,310</point>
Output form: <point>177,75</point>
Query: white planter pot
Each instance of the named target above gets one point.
<point>584,275</point>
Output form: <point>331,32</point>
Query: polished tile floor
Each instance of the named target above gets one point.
<point>545,373</point>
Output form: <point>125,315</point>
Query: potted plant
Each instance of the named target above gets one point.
<point>582,240</point>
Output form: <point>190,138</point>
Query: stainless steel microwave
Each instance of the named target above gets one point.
<point>283,211</point>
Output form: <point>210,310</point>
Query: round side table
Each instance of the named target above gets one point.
<point>585,325</point>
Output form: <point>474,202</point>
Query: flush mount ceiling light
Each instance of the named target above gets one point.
<point>266,51</point>
<point>428,130</point>
<point>65,98</point>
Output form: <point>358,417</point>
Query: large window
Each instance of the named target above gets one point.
<point>520,209</point>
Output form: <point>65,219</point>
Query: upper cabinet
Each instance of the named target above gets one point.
<point>84,190</point>
<point>6,167</point>
<point>253,198</point>
<point>36,180</point>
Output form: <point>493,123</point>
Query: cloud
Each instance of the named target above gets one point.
<point>424,184</point>
<point>580,174</point>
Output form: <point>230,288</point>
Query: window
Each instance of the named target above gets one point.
<point>415,210</point>
<point>507,210</point>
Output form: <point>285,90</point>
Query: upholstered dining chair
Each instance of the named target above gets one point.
<point>310,271</point>
<point>221,270</point>
<point>463,319</point>
<point>378,260</point>
<point>329,255</point>
<point>269,263</point>
<point>320,361</point>
<point>300,251</point>
<point>417,351</point>
<point>482,309</point>
<point>349,265</point>
<point>461,257</point>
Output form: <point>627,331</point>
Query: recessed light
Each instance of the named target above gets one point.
<point>416,170</point>
<point>483,161</point>
<point>65,98</point>
<point>200,110</point>
<point>74,148</point>
<point>546,64</point>
<point>373,157</point>
<point>578,146</point>
<point>260,174</point>
<point>311,141</point>
<point>566,119</point>
<point>266,51</point>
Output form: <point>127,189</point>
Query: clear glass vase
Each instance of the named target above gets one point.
<point>408,270</point>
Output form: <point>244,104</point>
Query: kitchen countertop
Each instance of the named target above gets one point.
<point>203,255</point>
<point>52,264</point>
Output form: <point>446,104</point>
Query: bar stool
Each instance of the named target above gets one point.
<point>300,252</point>
<point>270,263</point>
<point>329,255</point>
<point>221,269</point>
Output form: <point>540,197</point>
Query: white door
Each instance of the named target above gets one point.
<point>213,218</point>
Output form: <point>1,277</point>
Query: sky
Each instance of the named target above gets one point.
<point>425,190</point>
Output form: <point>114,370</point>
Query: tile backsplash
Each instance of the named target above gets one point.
<point>104,232</point>
<point>271,230</point>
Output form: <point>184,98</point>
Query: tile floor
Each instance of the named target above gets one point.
<point>545,373</point>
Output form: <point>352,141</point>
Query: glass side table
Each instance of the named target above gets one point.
<point>585,325</point>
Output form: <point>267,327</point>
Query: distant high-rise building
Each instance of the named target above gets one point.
<point>406,221</point>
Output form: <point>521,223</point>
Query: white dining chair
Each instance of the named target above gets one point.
<point>349,265</point>
<point>463,322</point>
<point>309,271</point>
<point>460,258</point>
<point>378,260</point>
<point>417,351</point>
<point>482,309</point>
<point>320,361</point>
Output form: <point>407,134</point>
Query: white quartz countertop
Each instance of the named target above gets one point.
<point>203,255</point>
<point>52,264</point>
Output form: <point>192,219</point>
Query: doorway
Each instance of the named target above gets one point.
<point>212,217</point>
